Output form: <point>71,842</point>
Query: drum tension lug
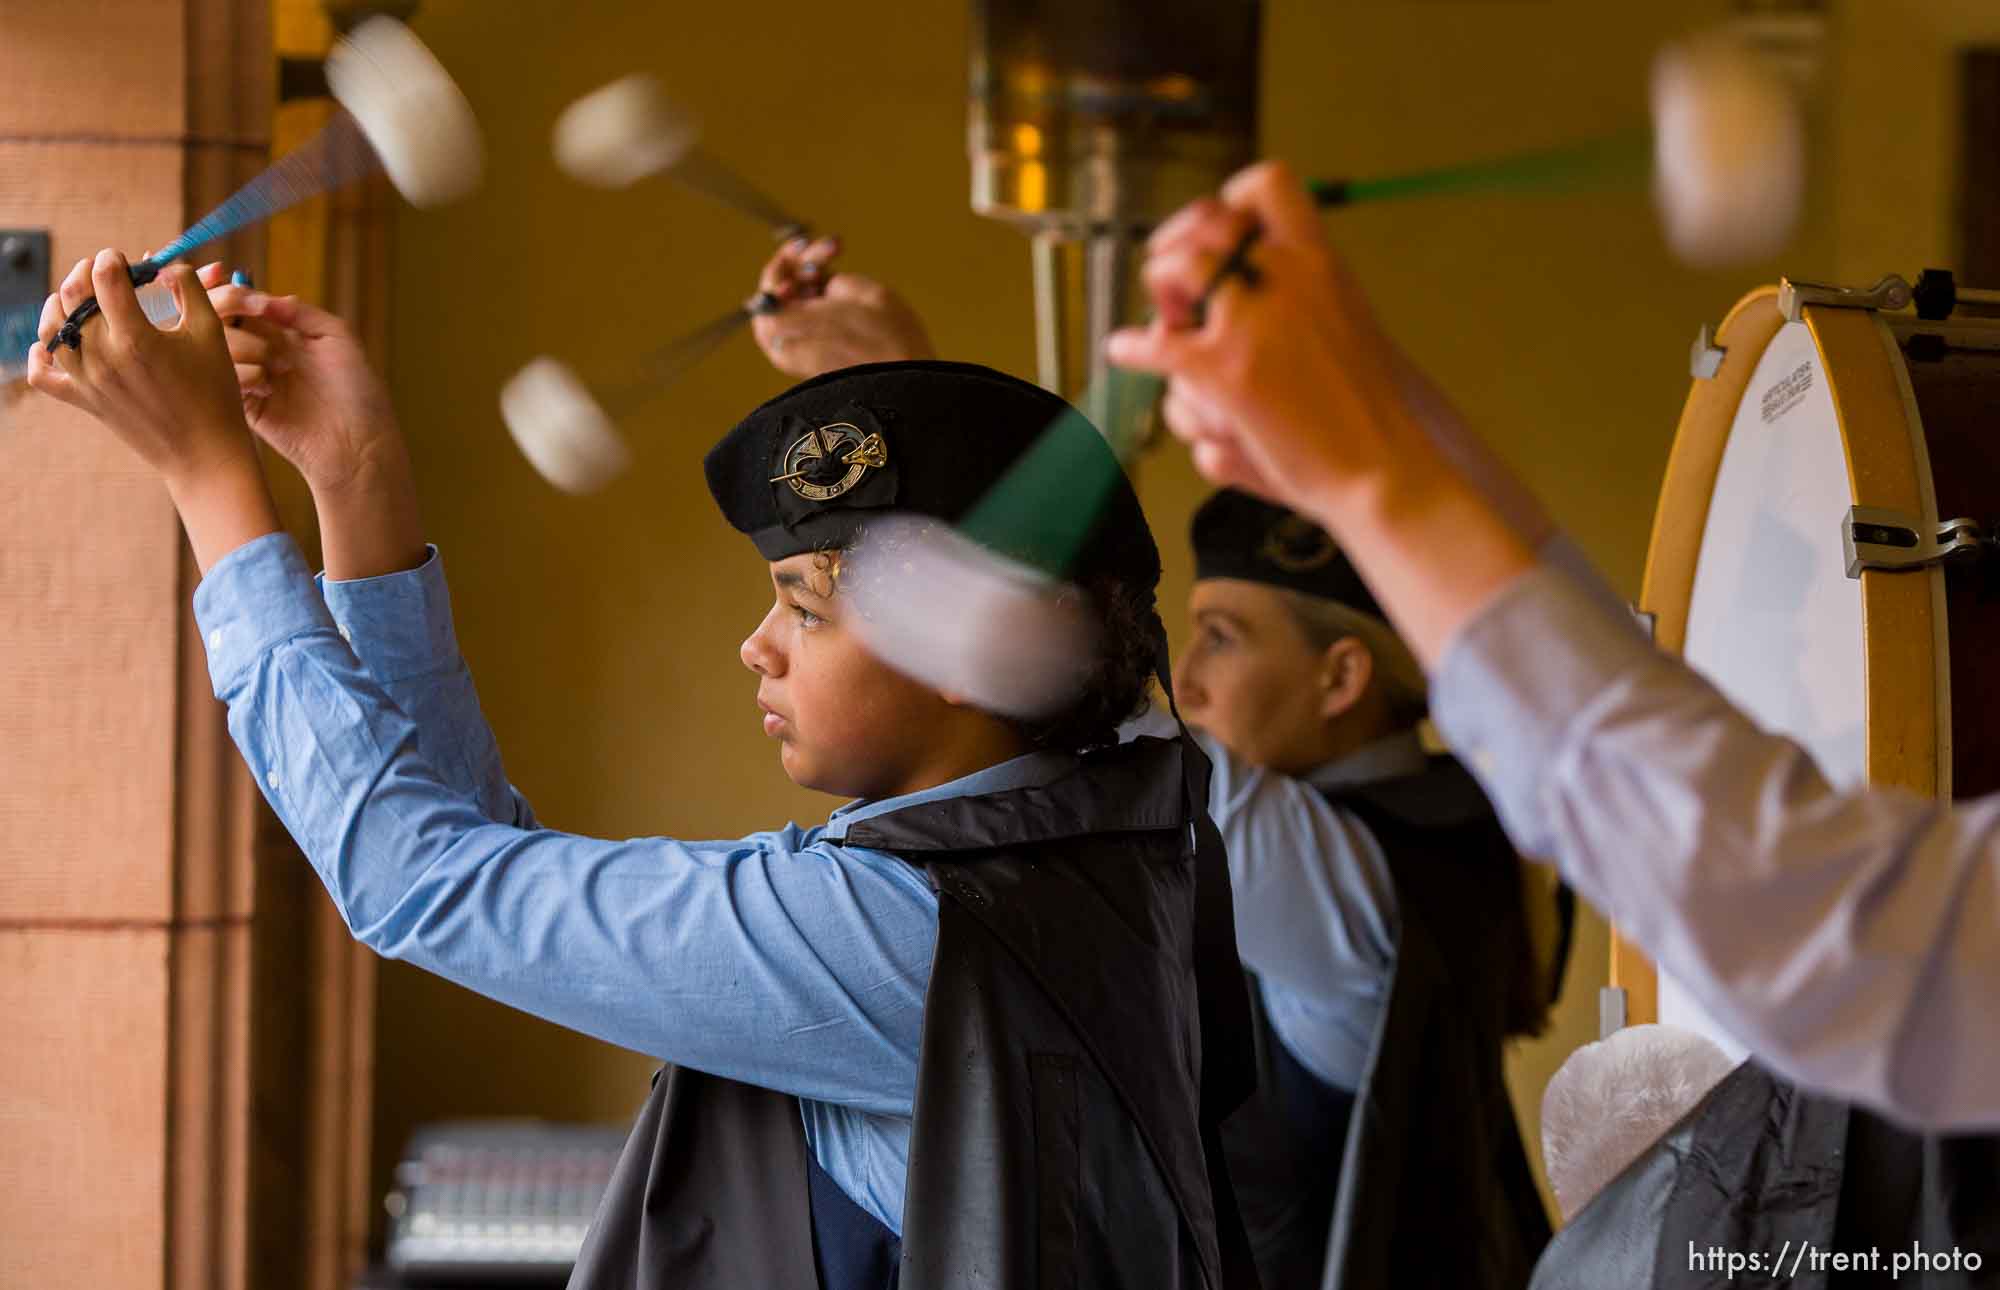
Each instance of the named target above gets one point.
<point>1892,292</point>
<point>1875,538</point>
<point>1705,358</point>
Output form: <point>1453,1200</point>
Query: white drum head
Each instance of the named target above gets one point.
<point>1774,621</point>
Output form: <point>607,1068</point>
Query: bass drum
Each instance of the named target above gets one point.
<point>1798,557</point>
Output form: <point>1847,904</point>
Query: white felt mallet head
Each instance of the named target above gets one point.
<point>410,110</point>
<point>939,607</point>
<point>1613,1099</point>
<point>1729,152</point>
<point>561,428</point>
<point>615,136</point>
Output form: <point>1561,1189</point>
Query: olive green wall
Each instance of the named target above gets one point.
<point>603,631</point>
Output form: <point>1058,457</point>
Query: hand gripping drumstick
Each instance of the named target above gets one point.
<point>400,112</point>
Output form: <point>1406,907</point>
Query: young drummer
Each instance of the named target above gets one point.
<point>1380,918</point>
<point>978,1028</point>
<point>1379,909</point>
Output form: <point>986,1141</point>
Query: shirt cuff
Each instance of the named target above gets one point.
<point>1513,683</point>
<point>253,600</point>
<point>398,624</point>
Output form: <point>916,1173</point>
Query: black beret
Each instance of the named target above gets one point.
<point>805,471</point>
<point>1240,536</point>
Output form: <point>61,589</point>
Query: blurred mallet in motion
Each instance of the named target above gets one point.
<point>983,608</point>
<point>934,602</point>
<point>569,432</point>
<point>1729,153</point>
<point>618,135</point>
<point>1726,156</point>
<point>400,111</point>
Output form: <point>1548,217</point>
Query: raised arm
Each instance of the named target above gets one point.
<point>1848,938</point>
<point>718,955</point>
<point>723,956</point>
<point>309,392</point>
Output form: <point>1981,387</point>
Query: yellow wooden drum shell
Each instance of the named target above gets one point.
<point>1908,731</point>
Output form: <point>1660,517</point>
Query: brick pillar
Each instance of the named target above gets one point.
<point>132,1149</point>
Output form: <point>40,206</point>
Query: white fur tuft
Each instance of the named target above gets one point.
<point>1613,1099</point>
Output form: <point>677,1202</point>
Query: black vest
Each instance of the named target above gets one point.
<point>1761,1168</point>
<point>1435,1188</point>
<point>1284,1147</point>
<point>1084,1034</point>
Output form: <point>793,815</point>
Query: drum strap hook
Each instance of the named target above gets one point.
<point>1892,541</point>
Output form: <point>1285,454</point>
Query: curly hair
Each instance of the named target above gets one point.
<point>1118,685</point>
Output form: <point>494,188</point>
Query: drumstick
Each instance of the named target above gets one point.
<point>665,365</point>
<point>399,111</point>
<point>629,130</point>
<point>1612,159</point>
<point>702,172</point>
<point>337,154</point>
<point>1725,153</point>
<point>1600,161</point>
<point>567,429</point>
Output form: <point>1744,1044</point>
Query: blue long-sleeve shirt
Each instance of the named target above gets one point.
<point>1316,915</point>
<point>1315,905</point>
<point>356,713</point>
